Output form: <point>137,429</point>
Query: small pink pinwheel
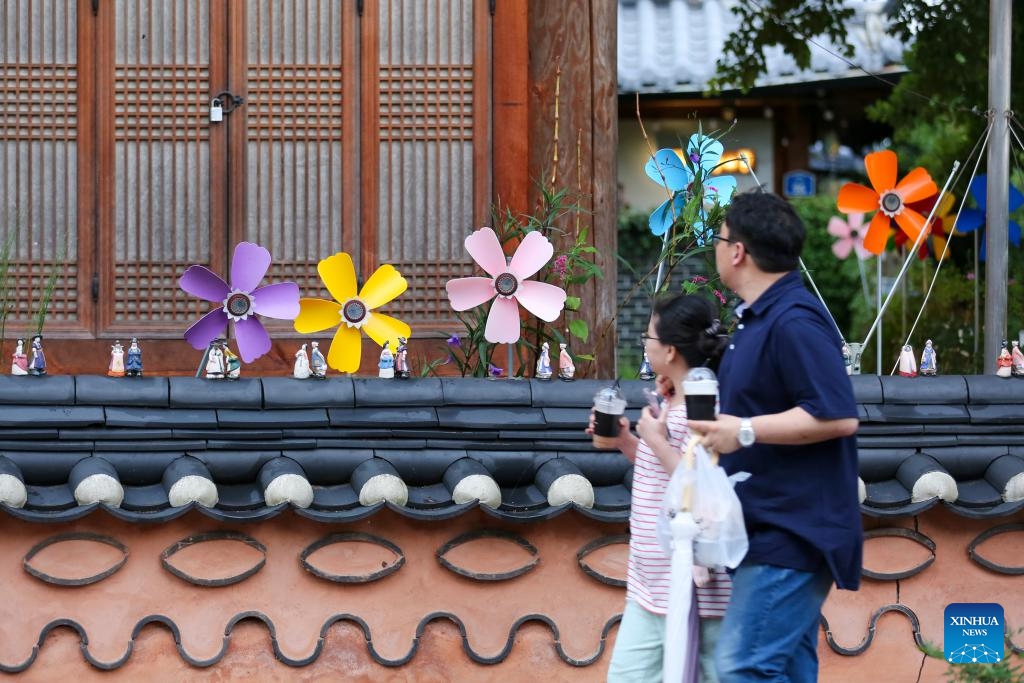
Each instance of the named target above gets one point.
<point>508,283</point>
<point>850,234</point>
<point>239,301</point>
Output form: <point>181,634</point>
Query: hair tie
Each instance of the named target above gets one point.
<point>713,328</point>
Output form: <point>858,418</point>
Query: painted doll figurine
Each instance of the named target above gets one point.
<point>133,362</point>
<point>402,359</point>
<point>646,371</point>
<point>116,366</point>
<point>386,364</point>
<point>37,366</point>
<point>566,368</point>
<point>1004,363</point>
<point>1016,360</point>
<point>301,369</point>
<point>215,360</point>
<point>929,361</point>
<point>908,366</point>
<point>544,362</point>
<point>317,362</point>
<point>19,361</point>
<point>232,364</point>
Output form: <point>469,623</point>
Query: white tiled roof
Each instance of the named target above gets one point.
<point>671,46</point>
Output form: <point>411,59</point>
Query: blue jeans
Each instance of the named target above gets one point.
<point>770,630</point>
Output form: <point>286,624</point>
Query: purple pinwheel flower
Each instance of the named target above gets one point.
<point>240,301</point>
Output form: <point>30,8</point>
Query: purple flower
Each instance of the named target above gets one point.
<point>240,301</point>
<point>494,371</point>
<point>454,341</point>
<point>720,297</point>
<point>560,265</point>
<point>698,279</point>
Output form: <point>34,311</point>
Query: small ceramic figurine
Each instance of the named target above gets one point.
<point>847,359</point>
<point>215,366</point>
<point>544,362</point>
<point>317,362</point>
<point>386,364</point>
<point>402,359</point>
<point>232,363</point>
<point>1016,360</point>
<point>646,371</point>
<point>37,366</point>
<point>116,366</point>
<point>566,369</point>
<point>908,366</point>
<point>301,369</point>
<point>929,361</point>
<point>133,364</point>
<point>1004,363</point>
<point>19,361</point>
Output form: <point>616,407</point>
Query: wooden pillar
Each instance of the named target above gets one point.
<point>577,57</point>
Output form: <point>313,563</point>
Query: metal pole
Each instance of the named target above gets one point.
<point>997,212</point>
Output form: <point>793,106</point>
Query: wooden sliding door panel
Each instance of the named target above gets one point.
<point>162,219</point>
<point>299,134</point>
<point>39,147</point>
<point>427,136</point>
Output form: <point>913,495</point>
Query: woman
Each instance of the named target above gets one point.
<point>683,333</point>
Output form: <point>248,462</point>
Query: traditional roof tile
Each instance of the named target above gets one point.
<point>341,449</point>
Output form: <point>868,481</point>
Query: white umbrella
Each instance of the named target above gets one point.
<point>681,620</point>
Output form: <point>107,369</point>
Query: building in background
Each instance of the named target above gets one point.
<point>792,121</point>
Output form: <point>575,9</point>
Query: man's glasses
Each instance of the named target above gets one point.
<point>644,338</point>
<point>722,238</point>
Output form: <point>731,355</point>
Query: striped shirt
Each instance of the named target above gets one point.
<point>649,570</point>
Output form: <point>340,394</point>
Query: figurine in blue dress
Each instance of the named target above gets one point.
<point>544,362</point>
<point>929,362</point>
<point>317,362</point>
<point>386,364</point>
<point>133,359</point>
<point>37,366</point>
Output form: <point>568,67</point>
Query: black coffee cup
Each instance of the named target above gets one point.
<point>701,392</point>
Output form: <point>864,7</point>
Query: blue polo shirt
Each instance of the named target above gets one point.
<point>800,503</point>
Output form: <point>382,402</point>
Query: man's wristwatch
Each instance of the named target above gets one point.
<point>746,433</point>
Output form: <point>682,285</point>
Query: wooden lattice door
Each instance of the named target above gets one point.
<point>363,127</point>
<point>426,180</point>
<point>40,187</point>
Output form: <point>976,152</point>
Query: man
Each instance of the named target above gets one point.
<point>788,417</point>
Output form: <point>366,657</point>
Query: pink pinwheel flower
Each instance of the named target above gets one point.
<point>508,283</point>
<point>239,301</point>
<point>850,234</point>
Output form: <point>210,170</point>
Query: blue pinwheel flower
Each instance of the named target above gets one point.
<point>684,178</point>
<point>972,219</point>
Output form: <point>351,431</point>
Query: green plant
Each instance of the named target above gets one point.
<point>1009,670</point>
<point>559,219</point>
<point>46,295</point>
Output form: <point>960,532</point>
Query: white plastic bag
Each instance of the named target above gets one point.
<point>722,539</point>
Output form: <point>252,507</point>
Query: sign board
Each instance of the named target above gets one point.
<point>798,184</point>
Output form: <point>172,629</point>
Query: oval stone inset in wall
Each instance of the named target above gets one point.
<point>893,553</point>
<point>75,559</point>
<point>352,557</point>
<point>605,559</point>
<point>488,555</point>
<point>1003,549</point>
<point>217,558</point>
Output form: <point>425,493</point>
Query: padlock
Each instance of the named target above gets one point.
<point>216,110</point>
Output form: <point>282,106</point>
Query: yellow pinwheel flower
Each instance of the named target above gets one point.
<point>352,311</point>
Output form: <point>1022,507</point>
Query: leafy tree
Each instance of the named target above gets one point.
<point>936,110</point>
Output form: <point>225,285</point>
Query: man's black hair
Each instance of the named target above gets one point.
<point>769,228</point>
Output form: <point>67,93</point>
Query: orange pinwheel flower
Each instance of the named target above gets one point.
<point>888,198</point>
